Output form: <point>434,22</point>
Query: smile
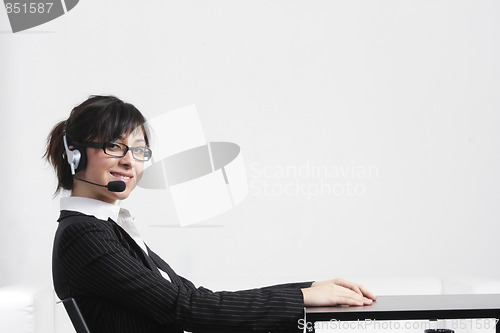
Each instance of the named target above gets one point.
<point>120,176</point>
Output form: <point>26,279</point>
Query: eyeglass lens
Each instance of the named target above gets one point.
<point>119,150</point>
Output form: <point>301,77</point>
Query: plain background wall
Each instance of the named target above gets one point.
<point>370,132</point>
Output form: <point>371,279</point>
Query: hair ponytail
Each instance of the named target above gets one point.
<point>54,154</point>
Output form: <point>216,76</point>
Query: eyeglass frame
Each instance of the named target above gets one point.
<point>102,145</point>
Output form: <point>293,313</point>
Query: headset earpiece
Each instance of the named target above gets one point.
<point>76,158</point>
<point>82,158</point>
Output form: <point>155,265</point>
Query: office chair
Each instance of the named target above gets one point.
<point>75,315</point>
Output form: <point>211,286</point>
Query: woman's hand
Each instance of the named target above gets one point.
<point>337,292</point>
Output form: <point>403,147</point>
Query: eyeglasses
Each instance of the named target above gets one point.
<point>117,149</point>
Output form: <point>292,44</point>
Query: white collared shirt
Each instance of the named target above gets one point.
<point>103,210</point>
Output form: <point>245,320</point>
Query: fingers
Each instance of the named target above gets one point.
<point>367,293</point>
<point>367,301</point>
<point>359,289</point>
<point>348,296</point>
<point>348,284</point>
<point>341,300</point>
<point>337,292</point>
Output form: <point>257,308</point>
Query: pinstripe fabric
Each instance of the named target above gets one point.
<point>120,289</point>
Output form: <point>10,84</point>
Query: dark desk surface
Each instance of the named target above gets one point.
<point>410,303</point>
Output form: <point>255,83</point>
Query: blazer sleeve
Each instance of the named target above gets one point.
<point>97,264</point>
<point>166,267</point>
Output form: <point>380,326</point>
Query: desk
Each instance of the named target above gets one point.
<point>458,309</point>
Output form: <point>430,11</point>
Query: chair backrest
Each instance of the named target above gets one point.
<point>75,315</point>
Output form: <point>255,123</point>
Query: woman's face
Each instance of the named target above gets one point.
<point>102,169</point>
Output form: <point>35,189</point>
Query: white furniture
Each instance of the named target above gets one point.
<point>26,309</point>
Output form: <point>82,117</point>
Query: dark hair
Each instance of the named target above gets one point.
<point>102,118</point>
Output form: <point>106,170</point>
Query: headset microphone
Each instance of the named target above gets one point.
<point>114,186</point>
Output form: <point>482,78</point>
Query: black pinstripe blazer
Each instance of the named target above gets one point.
<point>120,289</point>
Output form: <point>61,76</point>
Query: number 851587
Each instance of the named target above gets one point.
<point>29,8</point>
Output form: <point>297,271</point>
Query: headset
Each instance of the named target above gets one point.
<point>77,158</point>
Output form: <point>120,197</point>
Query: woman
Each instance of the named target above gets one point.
<point>99,258</point>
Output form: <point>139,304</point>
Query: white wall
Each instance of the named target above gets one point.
<point>398,100</point>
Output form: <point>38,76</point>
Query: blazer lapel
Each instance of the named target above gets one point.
<point>159,262</point>
<point>134,248</point>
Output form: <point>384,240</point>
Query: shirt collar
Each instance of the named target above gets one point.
<point>100,209</point>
